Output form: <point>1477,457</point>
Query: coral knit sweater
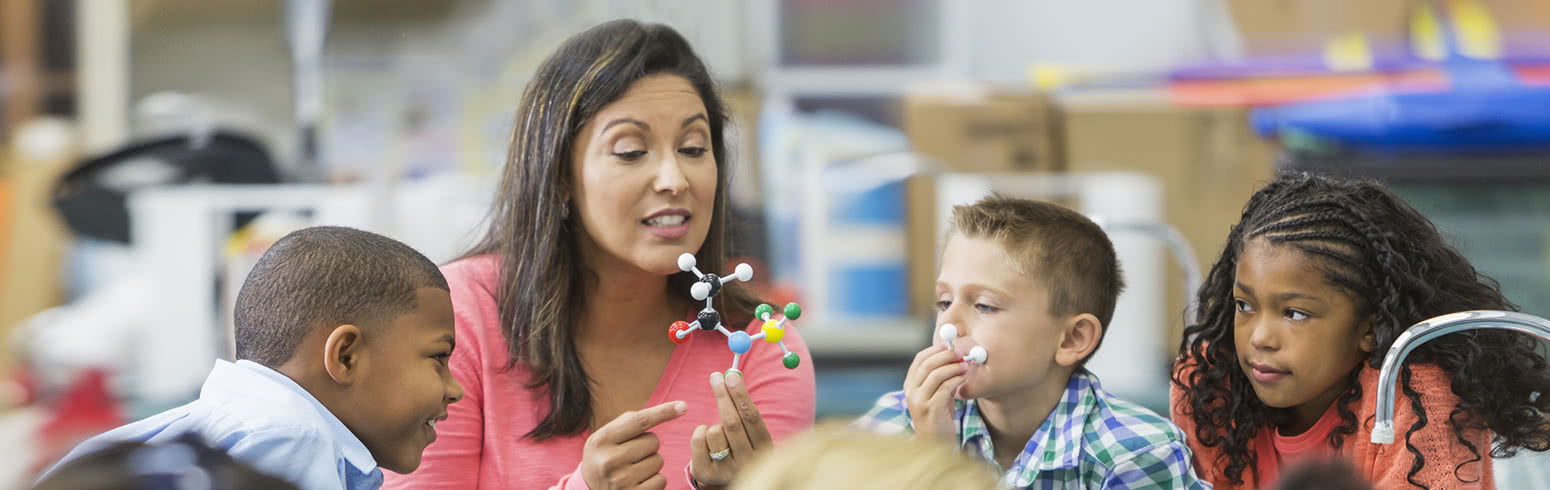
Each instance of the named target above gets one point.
<point>480,445</point>
<point>1383,465</point>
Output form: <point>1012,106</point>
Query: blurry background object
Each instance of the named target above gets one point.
<point>306,23</point>
<point>91,197</point>
<point>1525,470</point>
<point>1298,51</point>
<point>30,235</point>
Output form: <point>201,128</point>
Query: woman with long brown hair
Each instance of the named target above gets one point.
<point>618,165</point>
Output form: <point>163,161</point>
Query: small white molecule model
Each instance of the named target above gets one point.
<point>948,332</point>
<point>739,342</point>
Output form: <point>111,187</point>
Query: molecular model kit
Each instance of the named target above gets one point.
<point>948,332</point>
<point>739,341</point>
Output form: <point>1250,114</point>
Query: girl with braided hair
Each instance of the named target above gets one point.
<point>1316,281</point>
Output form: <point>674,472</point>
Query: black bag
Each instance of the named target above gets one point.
<point>91,198</point>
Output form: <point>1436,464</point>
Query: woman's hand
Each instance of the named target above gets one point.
<point>622,455</point>
<point>719,451</point>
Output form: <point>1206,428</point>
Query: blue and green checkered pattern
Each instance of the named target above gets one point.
<point>1090,440</point>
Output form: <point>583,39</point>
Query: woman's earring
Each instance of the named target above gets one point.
<point>565,211</point>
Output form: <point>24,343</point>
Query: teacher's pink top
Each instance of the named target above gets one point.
<point>480,445</point>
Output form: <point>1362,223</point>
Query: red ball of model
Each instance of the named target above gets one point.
<point>674,329</point>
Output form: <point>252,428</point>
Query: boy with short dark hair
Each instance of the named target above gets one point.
<point>342,338</point>
<point>1031,286</point>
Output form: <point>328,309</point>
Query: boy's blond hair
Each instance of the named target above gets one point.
<point>835,456</point>
<point>1059,248</point>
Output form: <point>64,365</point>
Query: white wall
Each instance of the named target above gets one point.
<point>1009,35</point>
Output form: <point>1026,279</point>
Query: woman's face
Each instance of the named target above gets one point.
<point>645,177</point>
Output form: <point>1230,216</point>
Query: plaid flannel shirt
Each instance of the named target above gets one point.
<point>1090,440</point>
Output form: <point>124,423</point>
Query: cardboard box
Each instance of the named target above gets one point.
<point>1209,162</point>
<point>1306,26</point>
<point>1303,26</point>
<point>925,242</point>
<point>985,132</point>
<point>1520,19</point>
<point>742,104</point>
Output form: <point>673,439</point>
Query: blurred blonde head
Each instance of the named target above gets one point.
<point>835,456</point>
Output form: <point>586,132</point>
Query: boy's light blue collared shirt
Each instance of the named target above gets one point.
<point>262,419</point>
